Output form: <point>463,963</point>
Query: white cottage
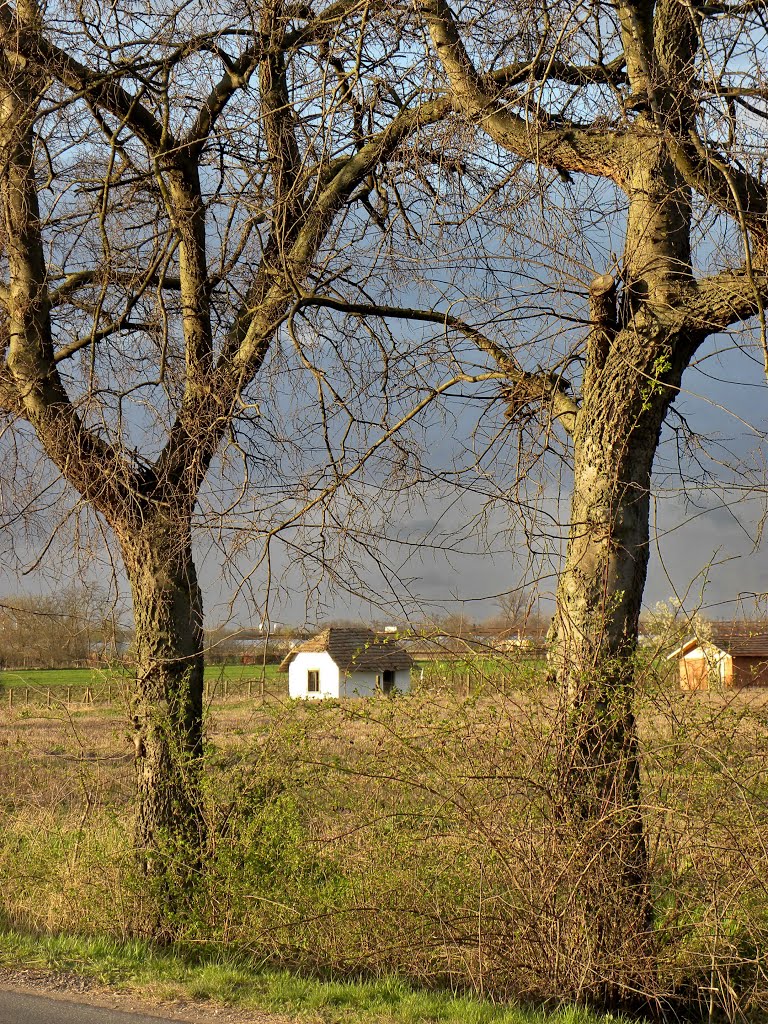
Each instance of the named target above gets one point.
<point>347,662</point>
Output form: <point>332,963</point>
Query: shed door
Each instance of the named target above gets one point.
<point>694,674</point>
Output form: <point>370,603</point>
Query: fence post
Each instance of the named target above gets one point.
<point>48,697</point>
<point>26,695</point>
<point>69,695</point>
<point>10,698</point>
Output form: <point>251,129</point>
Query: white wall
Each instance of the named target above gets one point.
<point>403,680</point>
<point>358,684</point>
<point>322,663</point>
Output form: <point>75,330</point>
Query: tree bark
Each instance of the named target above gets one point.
<point>600,589</point>
<point>599,596</point>
<point>167,701</point>
<point>54,379</point>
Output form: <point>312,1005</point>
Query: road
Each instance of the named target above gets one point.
<point>17,1008</point>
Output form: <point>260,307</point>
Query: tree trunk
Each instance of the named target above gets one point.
<point>601,587</point>
<point>167,704</point>
<point>595,639</point>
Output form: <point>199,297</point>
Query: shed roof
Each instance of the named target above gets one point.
<point>739,639</point>
<point>354,649</point>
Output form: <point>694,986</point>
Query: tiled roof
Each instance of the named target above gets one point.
<point>748,640</point>
<point>739,639</point>
<point>355,649</point>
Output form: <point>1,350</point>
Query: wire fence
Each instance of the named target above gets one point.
<point>463,677</point>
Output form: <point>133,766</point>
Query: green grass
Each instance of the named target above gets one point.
<point>169,974</point>
<point>450,672</point>
<point>236,673</point>
<point>42,678</point>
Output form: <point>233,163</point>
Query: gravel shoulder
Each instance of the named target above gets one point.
<point>72,988</point>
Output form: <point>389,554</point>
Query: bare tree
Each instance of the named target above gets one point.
<point>56,630</point>
<point>173,182</point>
<point>181,190</point>
<point>665,102</point>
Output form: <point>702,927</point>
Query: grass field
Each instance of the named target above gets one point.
<point>42,677</point>
<point>411,838</point>
<point>78,685</point>
<point>102,684</point>
<point>96,676</point>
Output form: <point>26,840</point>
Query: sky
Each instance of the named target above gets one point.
<point>451,552</point>
<point>434,551</point>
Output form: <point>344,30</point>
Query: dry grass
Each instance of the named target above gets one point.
<point>413,836</point>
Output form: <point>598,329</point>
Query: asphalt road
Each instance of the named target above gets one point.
<point>23,1009</point>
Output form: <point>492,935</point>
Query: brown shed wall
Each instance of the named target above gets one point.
<point>750,671</point>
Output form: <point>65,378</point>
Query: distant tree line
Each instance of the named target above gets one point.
<point>76,626</point>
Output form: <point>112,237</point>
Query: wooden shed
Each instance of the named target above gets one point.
<point>732,656</point>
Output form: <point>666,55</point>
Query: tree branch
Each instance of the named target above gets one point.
<point>556,70</point>
<point>10,400</point>
<point>83,278</point>
<point>278,120</point>
<point>526,387</point>
<point>602,315</point>
<point>272,294</point>
<point>730,188</point>
<point>571,147</point>
<point>115,327</point>
<point>236,76</point>
<point>90,464</point>
<point>102,90</point>
<point>725,299</point>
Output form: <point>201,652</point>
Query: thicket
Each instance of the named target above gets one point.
<point>419,837</point>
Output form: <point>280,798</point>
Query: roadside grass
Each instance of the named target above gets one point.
<point>169,974</point>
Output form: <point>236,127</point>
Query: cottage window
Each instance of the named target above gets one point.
<point>387,680</point>
<point>313,681</point>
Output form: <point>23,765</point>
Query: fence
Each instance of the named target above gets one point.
<point>465,677</point>
<point>118,691</point>
<point>22,696</point>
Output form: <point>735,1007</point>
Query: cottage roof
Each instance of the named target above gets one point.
<point>739,639</point>
<point>355,649</point>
